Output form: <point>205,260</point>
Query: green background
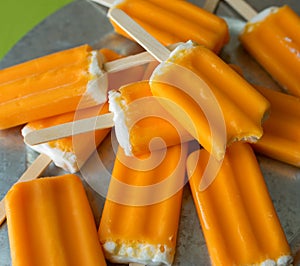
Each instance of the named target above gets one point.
<point>17,17</point>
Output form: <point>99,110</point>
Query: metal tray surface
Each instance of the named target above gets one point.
<point>78,23</point>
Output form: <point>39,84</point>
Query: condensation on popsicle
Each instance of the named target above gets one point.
<point>192,22</point>
<point>272,38</point>
<point>140,224</point>
<point>141,124</point>
<point>237,216</point>
<point>50,222</point>
<point>209,93</point>
<point>281,138</point>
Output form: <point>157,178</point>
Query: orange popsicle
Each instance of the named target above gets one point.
<point>272,38</point>
<point>205,94</point>
<point>192,22</point>
<point>50,85</point>
<point>237,216</point>
<point>141,123</point>
<point>50,222</point>
<point>281,138</point>
<point>139,223</point>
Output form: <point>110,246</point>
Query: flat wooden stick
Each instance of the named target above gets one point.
<point>33,171</point>
<point>243,8</point>
<point>149,43</point>
<point>128,62</point>
<point>136,264</point>
<point>69,129</point>
<point>106,3</point>
<point>211,5</point>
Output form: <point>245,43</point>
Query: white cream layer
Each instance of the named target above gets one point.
<point>282,261</point>
<point>260,17</point>
<point>145,254</point>
<point>178,51</point>
<point>97,86</point>
<point>62,159</point>
<point>118,107</point>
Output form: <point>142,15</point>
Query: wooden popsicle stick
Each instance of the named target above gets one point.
<point>106,3</point>
<point>69,129</point>
<point>33,171</point>
<point>211,5</point>
<point>243,8</point>
<point>128,62</point>
<point>149,43</point>
<point>136,264</point>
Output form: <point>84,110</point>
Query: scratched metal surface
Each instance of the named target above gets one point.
<point>80,23</point>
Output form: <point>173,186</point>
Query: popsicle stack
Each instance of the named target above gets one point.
<point>191,94</point>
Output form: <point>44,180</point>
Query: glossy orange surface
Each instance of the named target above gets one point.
<point>45,86</point>
<point>224,97</point>
<point>236,212</point>
<point>274,43</point>
<point>147,121</point>
<point>177,21</point>
<point>50,222</point>
<point>281,138</point>
<point>130,219</point>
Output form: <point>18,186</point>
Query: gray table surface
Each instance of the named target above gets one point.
<point>78,23</point>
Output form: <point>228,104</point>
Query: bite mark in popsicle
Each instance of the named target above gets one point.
<point>237,216</point>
